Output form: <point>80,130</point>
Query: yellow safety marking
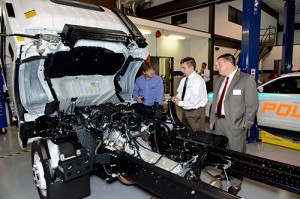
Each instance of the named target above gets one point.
<point>276,140</point>
<point>30,14</point>
<point>20,38</point>
<point>94,85</point>
<point>14,154</point>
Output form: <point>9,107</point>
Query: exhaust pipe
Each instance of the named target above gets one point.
<point>210,179</point>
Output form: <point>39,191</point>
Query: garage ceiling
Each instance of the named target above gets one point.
<point>278,6</point>
<point>176,6</point>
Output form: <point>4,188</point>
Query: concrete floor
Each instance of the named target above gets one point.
<point>17,180</point>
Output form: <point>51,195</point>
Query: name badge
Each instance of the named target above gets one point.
<point>237,92</point>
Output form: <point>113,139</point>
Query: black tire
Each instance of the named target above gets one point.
<point>40,168</point>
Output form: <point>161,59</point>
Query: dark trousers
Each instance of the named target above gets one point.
<point>208,87</point>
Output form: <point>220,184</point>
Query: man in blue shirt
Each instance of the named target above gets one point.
<point>148,88</point>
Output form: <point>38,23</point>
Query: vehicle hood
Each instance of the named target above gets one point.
<point>82,62</point>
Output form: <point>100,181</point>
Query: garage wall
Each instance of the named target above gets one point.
<point>197,19</point>
<point>222,25</point>
<point>228,29</point>
<point>164,47</point>
<point>281,19</point>
<point>178,49</point>
<point>267,20</point>
<point>199,50</point>
<point>296,37</point>
<point>276,54</point>
<point>268,61</point>
<point>296,32</point>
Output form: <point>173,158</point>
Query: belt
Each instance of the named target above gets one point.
<point>222,116</point>
<point>192,109</point>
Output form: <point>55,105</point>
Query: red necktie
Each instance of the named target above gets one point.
<point>219,107</point>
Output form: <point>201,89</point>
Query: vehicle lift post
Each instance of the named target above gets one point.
<point>3,119</point>
<point>288,36</point>
<point>249,56</point>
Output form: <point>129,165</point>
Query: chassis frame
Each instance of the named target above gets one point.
<point>74,182</point>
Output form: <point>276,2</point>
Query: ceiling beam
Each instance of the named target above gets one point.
<point>269,10</point>
<point>175,7</point>
<point>296,27</point>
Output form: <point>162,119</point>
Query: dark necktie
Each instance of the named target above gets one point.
<point>184,88</point>
<point>219,107</point>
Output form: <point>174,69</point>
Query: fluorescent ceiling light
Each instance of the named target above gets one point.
<point>175,37</point>
<point>145,32</point>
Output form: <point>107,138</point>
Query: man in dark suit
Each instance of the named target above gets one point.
<point>234,105</point>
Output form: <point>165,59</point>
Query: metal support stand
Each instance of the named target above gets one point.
<point>248,60</point>
<point>276,140</point>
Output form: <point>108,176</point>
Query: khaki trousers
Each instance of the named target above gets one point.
<point>194,120</point>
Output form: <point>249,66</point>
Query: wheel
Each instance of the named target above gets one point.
<point>41,169</point>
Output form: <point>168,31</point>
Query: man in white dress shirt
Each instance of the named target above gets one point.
<point>205,73</point>
<point>191,96</point>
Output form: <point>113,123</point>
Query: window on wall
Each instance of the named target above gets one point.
<point>234,15</point>
<point>179,19</point>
